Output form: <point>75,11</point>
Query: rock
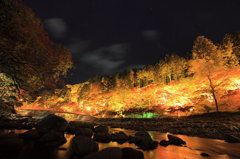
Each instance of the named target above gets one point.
<point>10,143</point>
<point>141,135</point>
<point>101,129</point>
<point>30,135</point>
<point>131,139</point>
<point>164,143</point>
<point>83,145</point>
<point>148,145</point>
<point>130,153</point>
<point>205,154</point>
<point>102,137</point>
<point>144,141</point>
<point>84,132</point>
<point>107,153</point>
<point>232,139</point>
<point>53,139</point>
<point>52,122</point>
<point>120,137</point>
<point>79,124</point>
<point>174,140</point>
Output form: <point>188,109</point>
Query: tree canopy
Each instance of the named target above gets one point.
<point>27,55</point>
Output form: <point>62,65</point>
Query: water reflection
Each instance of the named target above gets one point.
<point>195,146</point>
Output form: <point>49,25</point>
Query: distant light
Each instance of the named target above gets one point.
<point>88,108</point>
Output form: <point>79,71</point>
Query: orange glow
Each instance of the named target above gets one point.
<point>188,96</point>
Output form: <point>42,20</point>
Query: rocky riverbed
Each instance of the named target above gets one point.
<point>45,136</point>
<point>225,126</point>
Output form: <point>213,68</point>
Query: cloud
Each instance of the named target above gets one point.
<point>130,67</point>
<point>105,60</point>
<point>77,47</point>
<point>150,34</point>
<point>56,26</point>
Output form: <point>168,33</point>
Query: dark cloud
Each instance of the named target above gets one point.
<point>77,47</point>
<point>56,27</point>
<point>107,59</point>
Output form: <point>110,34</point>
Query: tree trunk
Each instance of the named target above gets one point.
<point>213,92</point>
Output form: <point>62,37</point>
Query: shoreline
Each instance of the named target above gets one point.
<point>222,125</point>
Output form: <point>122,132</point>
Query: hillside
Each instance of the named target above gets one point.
<point>207,81</point>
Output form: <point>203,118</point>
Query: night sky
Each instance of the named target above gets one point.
<point>108,36</point>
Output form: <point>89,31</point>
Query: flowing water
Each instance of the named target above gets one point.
<point>217,149</point>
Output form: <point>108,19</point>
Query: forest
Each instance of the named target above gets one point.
<point>206,81</point>
<point>32,69</point>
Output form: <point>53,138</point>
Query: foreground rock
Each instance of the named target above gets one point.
<point>102,137</point>
<point>174,140</point>
<point>101,129</point>
<point>205,154</point>
<point>30,135</point>
<point>53,139</point>
<point>130,153</point>
<point>82,146</point>
<point>164,143</point>
<point>10,143</point>
<point>144,141</point>
<point>74,126</point>
<point>52,122</point>
<point>84,132</point>
<point>107,153</point>
<point>116,153</point>
<point>119,137</point>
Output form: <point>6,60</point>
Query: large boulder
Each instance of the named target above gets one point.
<point>30,135</point>
<point>82,145</point>
<point>101,129</point>
<point>130,153</point>
<point>102,137</point>
<point>164,143</point>
<point>107,153</point>
<point>120,137</point>
<point>84,132</point>
<point>10,143</point>
<point>174,140</point>
<point>52,139</point>
<point>52,122</point>
<point>144,141</point>
<point>142,135</point>
<point>73,126</point>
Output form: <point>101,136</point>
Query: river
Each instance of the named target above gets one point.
<point>217,149</point>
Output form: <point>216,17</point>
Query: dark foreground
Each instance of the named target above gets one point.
<point>223,125</point>
<point>43,138</point>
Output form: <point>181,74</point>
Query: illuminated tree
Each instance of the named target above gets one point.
<point>231,48</point>
<point>28,57</point>
<point>171,68</point>
<point>211,61</point>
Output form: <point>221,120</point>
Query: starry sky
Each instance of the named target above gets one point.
<point>108,36</point>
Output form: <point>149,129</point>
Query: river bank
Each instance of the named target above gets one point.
<point>223,125</point>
